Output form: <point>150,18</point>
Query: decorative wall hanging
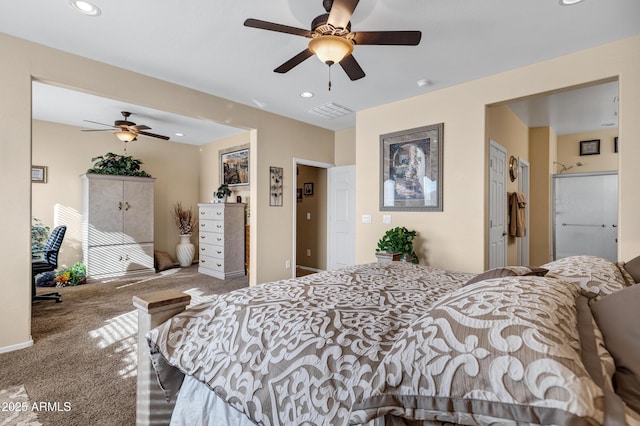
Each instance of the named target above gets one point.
<point>411,169</point>
<point>308,188</point>
<point>275,188</point>
<point>591,147</point>
<point>234,165</point>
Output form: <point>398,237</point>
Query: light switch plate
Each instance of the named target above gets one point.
<point>366,218</point>
<point>386,218</point>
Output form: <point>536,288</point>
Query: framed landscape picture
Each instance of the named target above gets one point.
<point>234,165</point>
<point>411,169</point>
<point>591,147</point>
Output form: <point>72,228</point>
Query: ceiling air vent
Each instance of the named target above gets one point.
<point>331,111</point>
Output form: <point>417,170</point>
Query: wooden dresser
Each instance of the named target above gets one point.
<point>221,241</point>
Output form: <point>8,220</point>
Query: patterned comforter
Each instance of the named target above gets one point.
<point>403,344</point>
<point>300,351</point>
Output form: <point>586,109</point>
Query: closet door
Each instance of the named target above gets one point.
<point>585,207</point>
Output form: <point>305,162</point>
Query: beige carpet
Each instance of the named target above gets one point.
<point>82,367</point>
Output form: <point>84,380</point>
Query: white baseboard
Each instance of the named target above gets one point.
<point>16,347</point>
<point>308,268</point>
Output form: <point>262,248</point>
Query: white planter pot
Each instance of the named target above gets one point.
<point>185,250</point>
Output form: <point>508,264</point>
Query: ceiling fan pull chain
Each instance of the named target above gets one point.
<point>329,77</point>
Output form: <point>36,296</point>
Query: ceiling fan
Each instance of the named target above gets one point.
<point>332,40</point>
<point>126,131</point>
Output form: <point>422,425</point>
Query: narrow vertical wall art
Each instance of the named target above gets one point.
<point>275,189</point>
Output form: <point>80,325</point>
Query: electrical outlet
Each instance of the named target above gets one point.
<point>308,252</point>
<point>308,216</point>
<point>287,264</point>
<point>386,219</point>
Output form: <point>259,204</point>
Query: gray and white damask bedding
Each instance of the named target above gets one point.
<point>399,343</point>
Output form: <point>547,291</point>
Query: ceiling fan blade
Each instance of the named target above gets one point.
<point>270,26</point>
<point>137,128</point>
<point>398,38</point>
<point>352,68</point>
<point>341,12</point>
<point>153,135</point>
<point>296,60</point>
<point>102,124</point>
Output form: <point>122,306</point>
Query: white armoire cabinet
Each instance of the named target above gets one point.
<point>221,240</point>
<point>117,225</point>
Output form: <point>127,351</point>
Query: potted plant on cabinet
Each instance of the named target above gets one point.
<point>397,244</point>
<point>222,193</point>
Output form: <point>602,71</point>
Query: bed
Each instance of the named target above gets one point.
<point>398,344</point>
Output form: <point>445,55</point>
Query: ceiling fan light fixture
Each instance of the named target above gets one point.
<point>569,2</point>
<point>330,49</point>
<point>125,135</point>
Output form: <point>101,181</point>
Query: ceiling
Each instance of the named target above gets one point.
<point>204,45</point>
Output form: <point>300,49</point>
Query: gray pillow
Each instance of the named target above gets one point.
<point>508,271</point>
<point>617,316</point>
<point>633,268</point>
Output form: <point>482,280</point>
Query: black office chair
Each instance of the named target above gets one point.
<point>48,263</point>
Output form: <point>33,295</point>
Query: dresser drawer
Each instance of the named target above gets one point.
<point>212,226</point>
<point>210,262</point>
<point>211,250</point>
<point>212,238</point>
<point>213,212</point>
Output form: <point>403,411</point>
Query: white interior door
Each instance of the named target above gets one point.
<point>341,229</point>
<point>497,205</point>
<point>585,210</point>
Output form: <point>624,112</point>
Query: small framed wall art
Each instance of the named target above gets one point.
<point>234,165</point>
<point>39,174</point>
<point>591,147</point>
<point>275,186</point>
<point>308,188</point>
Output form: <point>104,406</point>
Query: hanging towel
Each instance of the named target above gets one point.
<point>517,214</point>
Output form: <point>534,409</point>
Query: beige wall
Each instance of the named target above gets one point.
<point>345,147</point>
<point>542,154</point>
<point>311,234</point>
<point>461,108</point>
<point>569,152</point>
<point>275,140</point>
<point>505,128</point>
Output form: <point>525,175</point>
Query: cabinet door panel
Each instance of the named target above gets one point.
<point>105,211</point>
<point>138,212</point>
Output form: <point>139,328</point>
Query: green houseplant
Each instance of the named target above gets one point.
<point>399,241</point>
<point>222,193</point>
<point>39,236</point>
<point>114,164</point>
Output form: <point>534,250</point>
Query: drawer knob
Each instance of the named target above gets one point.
<point>219,239</point>
<point>202,212</point>
<point>219,251</point>
<point>219,213</point>
<point>202,236</point>
<point>219,264</point>
<point>202,261</point>
<point>219,226</point>
<point>202,224</point>
<point>202,248</point>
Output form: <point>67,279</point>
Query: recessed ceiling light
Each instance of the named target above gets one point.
<point>424,82</point>
<point>306,95</point>
<point>569,2</point>
<point>179,134</point>
<point>85,7</point>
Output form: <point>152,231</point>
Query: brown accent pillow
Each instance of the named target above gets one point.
<point>508,271</point>
<point>617,316</point>
<point>633,268</point>
<point>163,261</point>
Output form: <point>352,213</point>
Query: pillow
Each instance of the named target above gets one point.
<point>593,274</point>
<point>505,351</point>
<point>626,275</point>
<point>163,261</point>
<point>507,271</point>
<point>618,316</point>
<point>633,268</point>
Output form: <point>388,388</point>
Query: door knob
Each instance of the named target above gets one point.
<point>504,233</point>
